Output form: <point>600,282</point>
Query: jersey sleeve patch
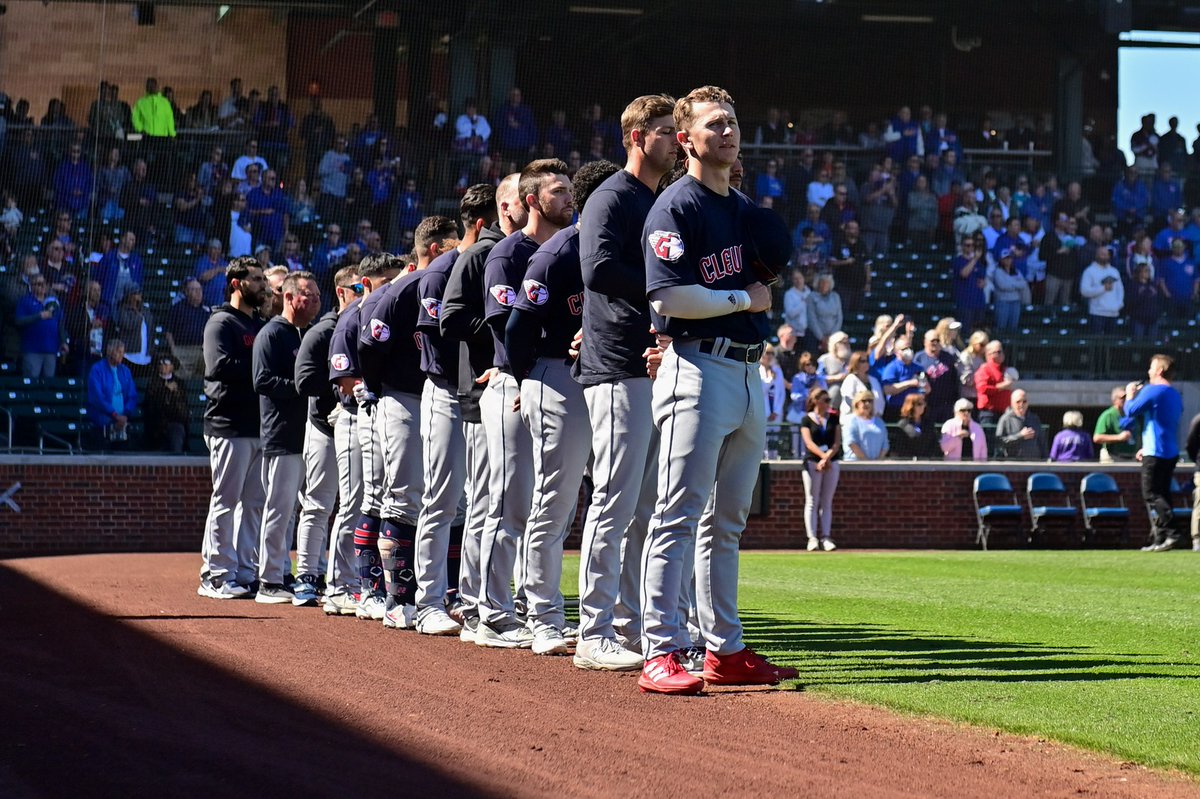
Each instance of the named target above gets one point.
<point>667,245</point>
<point>340,362</point>
<point>432,306</point>
<point>505,295</point>
<point>537,292</point>
<point>379,330</point>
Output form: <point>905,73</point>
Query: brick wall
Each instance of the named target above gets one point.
<point>55,51</point>
<point>98,504</point>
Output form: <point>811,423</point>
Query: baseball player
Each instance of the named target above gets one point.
<point>282,412</point>
<point>444,449</point>
<point>231,431</point>
<point>462,312</point>
<point>611,369</point>
<point>545,191</point>
<point>390,359</point>
<point>374,271</point>
<point>707,401</point>
<point>274,276</point>
<point>538,337</point>
<point>320,463</point>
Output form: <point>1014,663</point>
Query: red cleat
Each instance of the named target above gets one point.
<point>665,675</point>
<point>744,668</point>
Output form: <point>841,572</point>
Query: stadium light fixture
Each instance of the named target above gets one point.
<point>899,19</point>
<point>616,11</point>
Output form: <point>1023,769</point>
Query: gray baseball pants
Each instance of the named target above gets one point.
<point>710,414</point>
<point>477,495</point>
<point>371,445</point>
<point>283,476</point>
<point>341,576</point>
<point>316,499</point>
<point>555,411</point>
<point>510,492</point>
<point>399,429</point>
<point>625,477</point>
<point>230,547</point>
<point>443,500</point>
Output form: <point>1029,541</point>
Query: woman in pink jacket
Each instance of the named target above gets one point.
<point>962,437</point>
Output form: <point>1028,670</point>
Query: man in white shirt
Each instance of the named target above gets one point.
<point>251,156</point>
<point>471,130</point>
<point>1101,286</point>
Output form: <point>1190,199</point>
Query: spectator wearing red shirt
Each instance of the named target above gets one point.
<point>992,387</point>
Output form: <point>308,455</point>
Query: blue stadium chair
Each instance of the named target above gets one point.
<point>989,492</point>
<point>1047,497</point>
<point>1181,501</point>
<point>1102,502</point>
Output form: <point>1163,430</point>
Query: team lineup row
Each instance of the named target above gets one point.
<point>474,388</point>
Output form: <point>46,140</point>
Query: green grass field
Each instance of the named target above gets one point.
<point>1097,649</point>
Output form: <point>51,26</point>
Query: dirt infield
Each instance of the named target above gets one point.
<point>117,679</point>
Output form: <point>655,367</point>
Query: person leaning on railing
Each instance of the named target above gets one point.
<point>916,438</point>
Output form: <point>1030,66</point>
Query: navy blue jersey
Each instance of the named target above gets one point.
<point>388,352</point>
<point>343,351</point>
<point>694,236</point>
<point>616,315</point>
<point>502,276</point>
<point>552,291</point>
<point>439,358</point>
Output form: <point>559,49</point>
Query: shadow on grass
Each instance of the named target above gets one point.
<point>93,706</point>
<point>844,654</point>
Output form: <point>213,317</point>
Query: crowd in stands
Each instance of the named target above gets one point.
<point>1121,250</point>
<point>893,400</point>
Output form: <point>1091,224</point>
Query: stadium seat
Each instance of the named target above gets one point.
<point>1047,497</point>
<point>988,492</point>
<point>1101,501</point>
<point>1181,501</point>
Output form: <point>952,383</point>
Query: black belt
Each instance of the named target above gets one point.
<point>733,352</point>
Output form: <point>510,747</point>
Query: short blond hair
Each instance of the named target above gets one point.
<point>685,106</point>
<point>637,115</point>
<point>1073,420</point>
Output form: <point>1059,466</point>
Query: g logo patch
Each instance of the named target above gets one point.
<point>505,295</point>
<point>340,362</point>
<point>379,330</point>
<point>432,306</point>
<point>667,245</point>
<point>537,292</point>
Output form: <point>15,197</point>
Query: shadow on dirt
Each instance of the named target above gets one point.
<point>93,706</point>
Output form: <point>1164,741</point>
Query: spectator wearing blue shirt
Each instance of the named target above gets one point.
<point>112,396</point>
<point>270,211</point>
<point>864,437</point>
<point>210,271</point>
<point>946,174</point>
<point>1178,281</point>
<point>518,132</point>
<point>969,271</point>
<point>1130,202</point>
<point>942,139</point>
<point>1166,195</point>
<point>1011,240</point>
<point>903,136</point>
<point>900,378</point>
<point>382,180</point>
<point>1173,230</point>
<point>1191,233</point>
<point>119,269</point>
<point>1157,407</point>
<point>769,184</point>
<point>558,135</point>
<point>185,330</point>
<point>409,211</point>
<point>38,317</point>
<point>73,183</point>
